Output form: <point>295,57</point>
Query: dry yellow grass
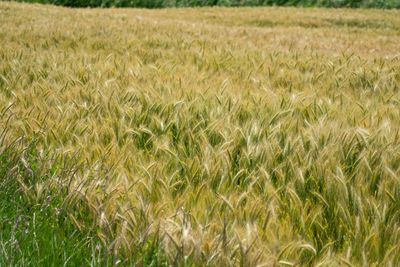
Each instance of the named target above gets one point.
<point>238,136</point>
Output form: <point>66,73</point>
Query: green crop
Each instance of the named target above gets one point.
<point>199,137</point>
<point>232,3</point>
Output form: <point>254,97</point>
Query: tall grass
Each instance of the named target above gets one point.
<point>45,221</point>
<point>196,3</point>
<point>177,137</point>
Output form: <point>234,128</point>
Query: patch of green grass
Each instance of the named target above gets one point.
<point>42,224</point>
<point>36,226</point>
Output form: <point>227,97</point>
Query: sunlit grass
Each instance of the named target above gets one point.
<point>207,136</point>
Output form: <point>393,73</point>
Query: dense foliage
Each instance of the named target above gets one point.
<point>193,3</point>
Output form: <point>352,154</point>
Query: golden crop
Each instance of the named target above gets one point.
<point>237,136</point>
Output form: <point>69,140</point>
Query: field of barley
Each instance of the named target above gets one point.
<point>199,136</point>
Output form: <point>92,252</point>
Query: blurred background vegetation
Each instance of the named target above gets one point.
<point>192,3</point>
